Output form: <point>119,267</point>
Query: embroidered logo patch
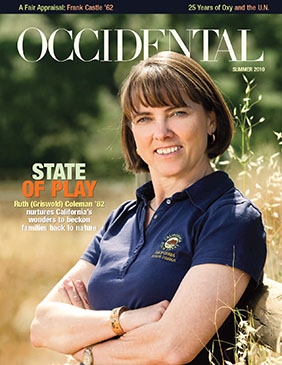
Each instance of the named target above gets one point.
<point>170,244</point>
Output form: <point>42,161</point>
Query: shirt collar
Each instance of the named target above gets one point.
<point>145,192</point>
<point>208,189</point>
<point>202,193</point>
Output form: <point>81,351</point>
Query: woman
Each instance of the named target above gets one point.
<point>167,269</point>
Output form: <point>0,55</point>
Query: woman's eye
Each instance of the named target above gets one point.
<point>141,120</point>
<point>179,113</point>
<point>144,119</point>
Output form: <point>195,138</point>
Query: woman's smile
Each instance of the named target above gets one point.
<point>167,150</point>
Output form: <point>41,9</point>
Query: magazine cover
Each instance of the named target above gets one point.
<point>62,170</point>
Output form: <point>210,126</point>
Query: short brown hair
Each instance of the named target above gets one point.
<point>162,80</point>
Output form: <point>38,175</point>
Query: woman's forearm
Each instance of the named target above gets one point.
<point>146,345</point>
<point>66,328</point>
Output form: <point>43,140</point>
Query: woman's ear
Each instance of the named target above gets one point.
<point>211,122</point>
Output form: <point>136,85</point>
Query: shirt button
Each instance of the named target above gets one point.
<point>155,216</point>
<point>168,201</point>
<point>135,251</point>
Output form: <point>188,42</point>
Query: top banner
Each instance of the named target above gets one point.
<point>144,7</point>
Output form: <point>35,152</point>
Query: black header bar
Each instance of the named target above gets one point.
<point>141,7</point>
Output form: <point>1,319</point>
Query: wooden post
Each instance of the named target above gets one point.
<point>267,314</point>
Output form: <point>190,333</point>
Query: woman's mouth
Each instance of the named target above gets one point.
<point>167,150</point>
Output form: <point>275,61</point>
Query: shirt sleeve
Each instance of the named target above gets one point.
<point>233,235</point>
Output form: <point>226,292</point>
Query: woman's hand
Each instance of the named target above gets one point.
<point>76,293</point>
<point>132,319</point>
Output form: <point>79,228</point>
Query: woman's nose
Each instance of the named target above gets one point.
<point>162,129</point>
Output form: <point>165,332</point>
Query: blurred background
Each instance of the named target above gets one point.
<point>69,112</point>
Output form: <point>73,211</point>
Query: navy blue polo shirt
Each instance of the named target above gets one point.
<point>209,222</point>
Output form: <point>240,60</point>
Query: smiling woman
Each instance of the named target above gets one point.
<point>160,282</point>
<point>184,84</point>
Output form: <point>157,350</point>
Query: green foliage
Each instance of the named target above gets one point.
<point>48,109</point>
<point>245,124</point>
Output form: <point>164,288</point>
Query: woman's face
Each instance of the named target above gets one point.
<point>173,140</point>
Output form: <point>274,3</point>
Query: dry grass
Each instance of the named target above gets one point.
<point>261,181</point>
